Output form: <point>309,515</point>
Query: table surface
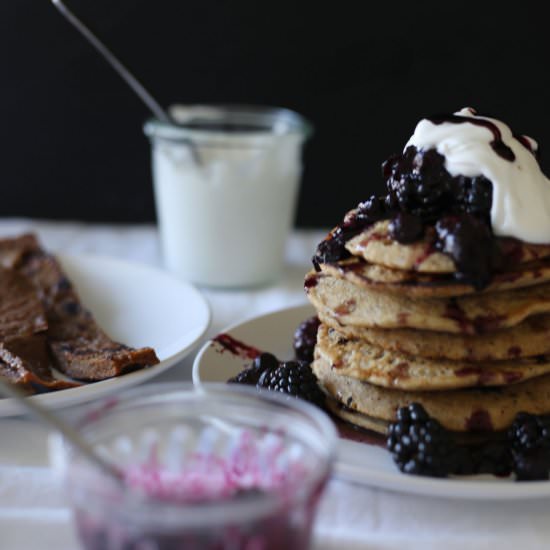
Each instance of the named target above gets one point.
<point>34,513</point>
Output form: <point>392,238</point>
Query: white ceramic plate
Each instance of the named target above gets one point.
<point>357,462</point>
<point>138,306</point>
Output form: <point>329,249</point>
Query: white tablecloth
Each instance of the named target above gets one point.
<point>34,514</point>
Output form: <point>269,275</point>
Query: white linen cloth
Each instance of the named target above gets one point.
<point>34,513</point>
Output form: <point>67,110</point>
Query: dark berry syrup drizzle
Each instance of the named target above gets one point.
<point>498,146</point>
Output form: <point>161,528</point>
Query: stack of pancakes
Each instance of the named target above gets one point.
<point>398,326</point>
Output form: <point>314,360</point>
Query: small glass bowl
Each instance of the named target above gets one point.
<point>215,467</point>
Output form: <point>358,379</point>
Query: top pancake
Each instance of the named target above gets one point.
<point>376,246</point>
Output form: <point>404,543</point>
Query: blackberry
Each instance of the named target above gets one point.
<point>406,228</point>
<point>478,197</point>
<point>529,432</point>
<point>293,378</point>
<point>419,444</point>
<point>419,183</point>
<point>471,244</point>
<point>529,438</point>
<point>332,249</point>
<point>265,361</point>
<point>251,375</point>
<point>531,466</point>
<point>305,338</point>
<point>370,211</point>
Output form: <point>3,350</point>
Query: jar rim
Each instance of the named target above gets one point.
<point>200,121</point>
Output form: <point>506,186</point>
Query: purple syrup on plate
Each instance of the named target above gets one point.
<point>236,347</point>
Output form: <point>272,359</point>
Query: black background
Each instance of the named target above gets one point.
<point>363,72</point>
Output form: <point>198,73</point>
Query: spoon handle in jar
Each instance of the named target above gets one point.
<point>130,79</point>
<point>67,431</point>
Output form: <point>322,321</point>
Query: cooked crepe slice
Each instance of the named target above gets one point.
<point>528,339</point>
<point>466,410</point>
<point>359,306</point>
<point>78,345</point>
<point>372,364</point>
<point>25,362</point>
<point>21,312</point>
<point>14,249</point>
<point>430,285</point>
<point>376,246</point>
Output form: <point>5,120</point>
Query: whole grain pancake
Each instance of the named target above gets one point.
<point>372,364</point>
<point>350,304</point>
<point>353,417</point>
<point>479,409</point>
<point>376,246</point>
<point>379,426</point>
<point>528,339</point>
<point>430,285</point>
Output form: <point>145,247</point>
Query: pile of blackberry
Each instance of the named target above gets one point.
<point>420,445</point>
<point>332,249</point>
<point>421,193</point>
<point>420,185</point>
<point>293,378</point>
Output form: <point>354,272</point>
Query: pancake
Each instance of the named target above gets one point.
<point>363,306</point>
<point>470,410</point>
<point>528,339</point>
<point>363,361</point>
<point>423,285</point>
<point>379,426</point>
<point>376,246</point>
<point>353,417</point>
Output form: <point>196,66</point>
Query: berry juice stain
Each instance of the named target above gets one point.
<point>479,421</point>
<point>226,342</point>
<point>359,435</point>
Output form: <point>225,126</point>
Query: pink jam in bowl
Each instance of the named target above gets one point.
<point>224,485</point>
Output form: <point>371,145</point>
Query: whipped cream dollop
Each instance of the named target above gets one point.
<point>479,146</point>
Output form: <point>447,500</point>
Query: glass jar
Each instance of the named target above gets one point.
<point>226,181</point>
<point>215,467</point>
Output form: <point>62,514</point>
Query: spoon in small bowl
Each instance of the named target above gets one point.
<point>158,111</point>
<point>68,432</point>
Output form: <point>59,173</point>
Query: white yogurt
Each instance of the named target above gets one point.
<point>521,192</point>
<point>224,221</point>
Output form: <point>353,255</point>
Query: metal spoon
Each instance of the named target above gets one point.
<point>123,71</point>
<point>68,432</point>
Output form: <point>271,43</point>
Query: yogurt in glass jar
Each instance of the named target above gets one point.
<point>226,181</point>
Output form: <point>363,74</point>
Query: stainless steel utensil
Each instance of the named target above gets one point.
<point>155,107</point>
<point>68,432</point>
